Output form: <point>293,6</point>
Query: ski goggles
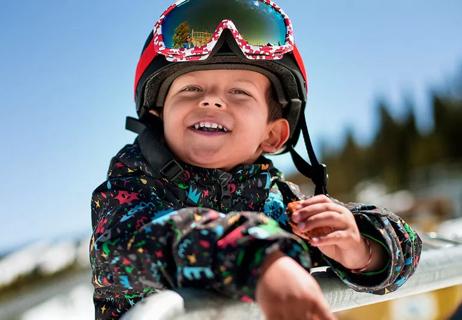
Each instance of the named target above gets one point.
<point>189,29</point>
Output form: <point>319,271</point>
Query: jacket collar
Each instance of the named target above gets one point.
<point>240,173</point>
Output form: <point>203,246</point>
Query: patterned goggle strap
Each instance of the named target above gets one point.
<point>189,29</point>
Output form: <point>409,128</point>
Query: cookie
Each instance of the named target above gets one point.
<point>307,235</point>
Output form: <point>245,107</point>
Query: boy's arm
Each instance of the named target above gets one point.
<point>383,228</point>
<point>140,244</point>
<point>401,243</point>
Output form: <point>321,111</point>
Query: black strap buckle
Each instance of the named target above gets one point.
<point>321,177</point>
<point>171,170</point>
<point>134,125</point>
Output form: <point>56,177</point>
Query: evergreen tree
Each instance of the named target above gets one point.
<point>182,35</point>
<point>398,148</point>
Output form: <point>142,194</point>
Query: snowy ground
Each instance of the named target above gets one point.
<point>59,297</point>
<point>44,257</point>
<point>76,305</point>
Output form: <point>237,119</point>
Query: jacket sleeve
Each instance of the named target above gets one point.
<point>141,243</point>
<point>399,240</point>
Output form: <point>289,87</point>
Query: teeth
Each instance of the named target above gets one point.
<point>210,126</point>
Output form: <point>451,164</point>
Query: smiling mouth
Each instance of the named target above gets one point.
<point>209,127</point>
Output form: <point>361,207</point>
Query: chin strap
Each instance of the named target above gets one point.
<point>153,148</point>
<point>316,171</point>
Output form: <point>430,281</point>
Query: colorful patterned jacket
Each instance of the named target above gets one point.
<point>212,229</point>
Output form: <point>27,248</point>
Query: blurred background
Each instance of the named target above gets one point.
<point>384,112</point>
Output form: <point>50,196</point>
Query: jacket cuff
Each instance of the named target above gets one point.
<point>373,281</point>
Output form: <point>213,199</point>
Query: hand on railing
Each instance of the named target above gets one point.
<point>287,291</point>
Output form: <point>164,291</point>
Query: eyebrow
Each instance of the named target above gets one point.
<point>246,81</point>
<point>238,80</point>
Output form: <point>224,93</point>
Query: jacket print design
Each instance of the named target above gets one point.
<point>212,229</point>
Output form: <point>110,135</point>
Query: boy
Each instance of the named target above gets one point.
<point>194,203</point>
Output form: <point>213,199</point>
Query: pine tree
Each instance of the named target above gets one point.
<point>182,35</point>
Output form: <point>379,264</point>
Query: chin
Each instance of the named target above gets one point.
<point>212,165</point>
<point>209,162</point>
<point>214,160</point>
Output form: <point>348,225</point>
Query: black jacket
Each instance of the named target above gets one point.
<point>212,229</point>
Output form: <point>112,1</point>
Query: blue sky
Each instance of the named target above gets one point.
<point>67,71</point>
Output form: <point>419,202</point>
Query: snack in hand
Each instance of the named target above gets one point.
<point>307,235</point>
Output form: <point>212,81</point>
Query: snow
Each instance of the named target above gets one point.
<point>57,257</point>
<point>451,229</point>
<point>20,263</point>
<point>77,305</point>
<point>45,257</point>
<point>375,193</point>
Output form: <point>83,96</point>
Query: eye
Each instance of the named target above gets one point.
<point>191,89</point>
<point>240,91</point>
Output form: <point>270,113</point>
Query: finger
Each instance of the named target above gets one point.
<point>333,238</point>
<point>320,198</point>
<point>330,219</point>
<point>306,212</point>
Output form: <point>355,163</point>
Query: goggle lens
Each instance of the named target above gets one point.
<point>192,23</point>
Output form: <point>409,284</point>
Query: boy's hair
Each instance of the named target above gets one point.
<point>274,107</point>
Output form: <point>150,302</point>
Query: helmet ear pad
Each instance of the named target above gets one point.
<point>287,81</point>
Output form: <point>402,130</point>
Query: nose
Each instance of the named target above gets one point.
<point>212,102</point>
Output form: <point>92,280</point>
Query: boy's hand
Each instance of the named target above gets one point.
<point>287,291</point>
<point>332,228</point>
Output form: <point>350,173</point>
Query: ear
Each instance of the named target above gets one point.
<point>278,134</point>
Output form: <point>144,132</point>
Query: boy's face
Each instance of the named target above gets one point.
<point>219,118</point>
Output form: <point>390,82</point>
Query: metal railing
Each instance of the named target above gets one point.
<point>440,267</point>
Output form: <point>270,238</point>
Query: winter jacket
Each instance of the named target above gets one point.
<point>212,229</point>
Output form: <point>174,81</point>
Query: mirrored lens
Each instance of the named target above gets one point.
<point>193,22</point>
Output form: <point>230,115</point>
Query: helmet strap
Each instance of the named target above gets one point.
<point>316,171</point>
<point>150,139</point>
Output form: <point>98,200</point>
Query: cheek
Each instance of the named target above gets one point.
<point>172,115</point>
<point>173,131</point>
<point>256,124</point>
<point>171,125</point>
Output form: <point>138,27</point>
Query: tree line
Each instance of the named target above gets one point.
<point>398,146</point>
